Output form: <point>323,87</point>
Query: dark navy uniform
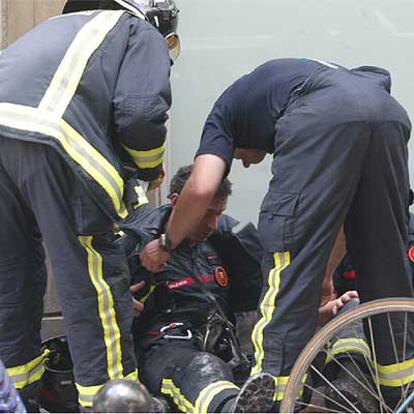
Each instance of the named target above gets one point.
<point>339,143</point>
<point>81,95</point>
<point>184,352</point>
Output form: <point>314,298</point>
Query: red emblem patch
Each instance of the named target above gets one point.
<point>221,276</point>
<point>411,253</point>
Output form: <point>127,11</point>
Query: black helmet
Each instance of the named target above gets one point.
<point>162,14</point>
<point>58,393</point>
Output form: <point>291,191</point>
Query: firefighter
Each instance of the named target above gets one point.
<point>187,348</point>
<point>83,103</point>
<point>339,145</point>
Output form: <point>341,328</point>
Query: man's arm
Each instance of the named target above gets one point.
<point>335,258</point>
<point>208,172</point>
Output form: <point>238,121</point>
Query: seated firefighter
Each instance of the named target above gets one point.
<point>185,339</point>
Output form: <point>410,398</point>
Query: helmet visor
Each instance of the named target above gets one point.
<point>173,45</point>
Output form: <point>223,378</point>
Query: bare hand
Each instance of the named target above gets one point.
<point>343,300</point>
<point>138,306</point>
<point>331,308</point>
<point>153,258</point>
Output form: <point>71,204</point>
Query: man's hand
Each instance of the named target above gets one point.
<point>331,308</point>
<point>343,300</point>
<point>153,258</point>
<point>138,306</point>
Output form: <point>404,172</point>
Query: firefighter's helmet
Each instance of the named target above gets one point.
<point>58,393</point>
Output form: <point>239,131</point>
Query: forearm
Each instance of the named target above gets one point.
<point>336,256</point>
<point>208,172</point>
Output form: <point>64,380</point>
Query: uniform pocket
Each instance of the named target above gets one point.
<point>89,218</point>
<point>275,224</point>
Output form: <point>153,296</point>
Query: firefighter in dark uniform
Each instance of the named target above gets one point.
<point>339,145</point>
<point>82,96</point>
<point>186,344</point>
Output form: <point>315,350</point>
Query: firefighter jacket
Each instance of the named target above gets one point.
<point>95,86</point>
<point>182,292</point>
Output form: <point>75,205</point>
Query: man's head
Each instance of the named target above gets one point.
<point>162,14</point>
<point>249,156</point>
<point>218,204</point>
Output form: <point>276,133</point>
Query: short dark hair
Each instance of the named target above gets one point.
<point>182,175</point>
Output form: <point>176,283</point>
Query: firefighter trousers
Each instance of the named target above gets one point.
<point>41,200</point>
<point>196,382</point>
<point>340,158</point>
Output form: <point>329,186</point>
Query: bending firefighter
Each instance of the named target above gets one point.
<point>339,145</point>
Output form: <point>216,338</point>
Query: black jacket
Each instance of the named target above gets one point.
<point>227,266</point>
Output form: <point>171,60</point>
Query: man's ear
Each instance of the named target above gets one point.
<point>173,199</point>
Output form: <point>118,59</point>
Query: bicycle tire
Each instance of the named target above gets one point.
<point>310,351</point>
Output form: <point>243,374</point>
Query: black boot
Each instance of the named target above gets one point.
<point>256,395</point>
<point>353,386</point>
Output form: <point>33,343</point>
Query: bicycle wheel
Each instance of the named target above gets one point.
<point>325,396</point>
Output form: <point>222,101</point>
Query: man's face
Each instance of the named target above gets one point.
<point>249,156</point>
<point>210,221</point>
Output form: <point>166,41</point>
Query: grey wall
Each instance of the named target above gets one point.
<point>223,39</point>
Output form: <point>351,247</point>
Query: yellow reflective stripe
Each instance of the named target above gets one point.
<point>267,307</point>
<point>396,375</point>
<point>28,373</point>
<point>147,159</point>
<point>169,388</point>
<point>106,309</point>
<point>342,346</point>
<point>208,393</point>
<point>145,297</point>
<point>87,394</point>
<point>281,383</point>
<point>69,73</point>
<point>97,166</point>
<point>78,148</point>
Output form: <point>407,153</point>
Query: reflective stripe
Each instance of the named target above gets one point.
<point>169,388</point>
<point>281,383</point>
<point>208,393</point>
<point>28,373</point>
<point>342,346</point>
<point>87,394</point>
<point>106,309</point>
<point>267,307</point>
<point>69,73</point>
<point>147,159</point>
<point>142,197</point>
<point>78,148</point>
<point>396,375</point>
<point>145,297</point>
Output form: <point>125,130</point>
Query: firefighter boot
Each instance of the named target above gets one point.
<point>354,389</point>
<point>255,396</point>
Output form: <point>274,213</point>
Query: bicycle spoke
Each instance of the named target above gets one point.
<point>368,388</point>
<point>374,355</point>
<point>335,389</point>
<point>317,391</point>
<point>394,347</point>
<point>319,408</point>
<point>361,369</point>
